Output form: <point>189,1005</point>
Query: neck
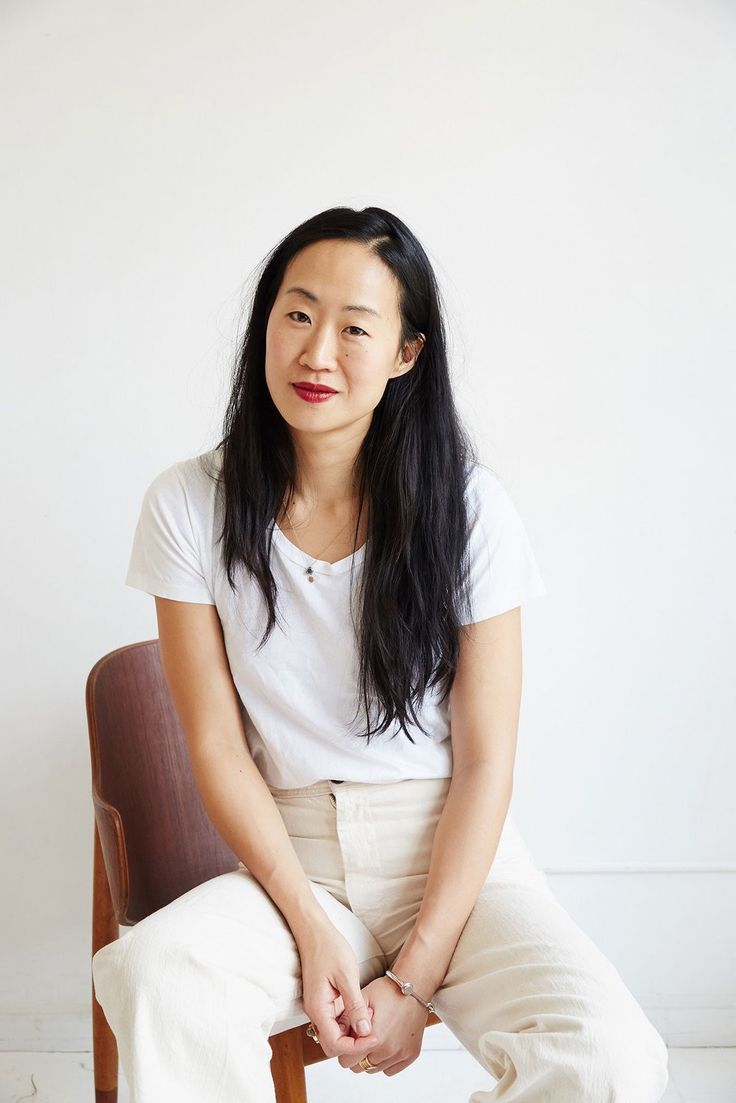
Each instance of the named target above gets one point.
<point>325,478</point>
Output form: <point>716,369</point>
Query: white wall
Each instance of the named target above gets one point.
<point>570,169</point>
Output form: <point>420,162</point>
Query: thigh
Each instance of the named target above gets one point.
<point>227,933</point>
<point>522,964</point>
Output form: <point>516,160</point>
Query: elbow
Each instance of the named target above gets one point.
<point>487,771</point>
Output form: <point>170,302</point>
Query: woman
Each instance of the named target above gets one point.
<point>338,587</point>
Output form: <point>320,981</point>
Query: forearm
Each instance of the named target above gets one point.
<point>465,844</point>
<point>241,807</point>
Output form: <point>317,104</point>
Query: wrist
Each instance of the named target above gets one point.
<point>406,988</point>
<point>425,968</point>
<point>307,921</point>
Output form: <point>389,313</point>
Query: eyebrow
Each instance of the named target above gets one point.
<point>313,298</point>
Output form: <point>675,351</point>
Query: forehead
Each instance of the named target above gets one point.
<point>342,273</point>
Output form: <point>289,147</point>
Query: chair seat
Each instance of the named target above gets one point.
<point>290,1021</point>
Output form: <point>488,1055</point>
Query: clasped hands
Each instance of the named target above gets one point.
<point>377,1022</point>
<point>396,1024</point>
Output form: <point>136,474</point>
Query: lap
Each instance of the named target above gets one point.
<point>229,926</point>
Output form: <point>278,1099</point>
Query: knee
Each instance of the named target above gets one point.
<point>169,964</point>
<point>128,964</point>
<point>149,956</point>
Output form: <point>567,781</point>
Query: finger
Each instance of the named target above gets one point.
<point>353,1062</point>
<point>378,1066</point>
<point>347,1061</point>
<point>355,1009</point>
<point>351,1050</point>
<point>340,1012</point>
<point>335,1043</point>
<point>391,1070</point>
<point>346,1023</point>
<point>330,1029</point>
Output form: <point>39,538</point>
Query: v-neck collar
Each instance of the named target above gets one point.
<point>319,566</point>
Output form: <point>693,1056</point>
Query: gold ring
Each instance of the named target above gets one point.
<point>365,1064</point>
<point>313,1033</point>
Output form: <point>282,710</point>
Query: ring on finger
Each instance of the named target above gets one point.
<point>366,1064</point>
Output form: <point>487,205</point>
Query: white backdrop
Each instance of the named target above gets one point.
<point>570,169</point>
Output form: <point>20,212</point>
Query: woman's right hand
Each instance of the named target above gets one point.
<point>331,993</point>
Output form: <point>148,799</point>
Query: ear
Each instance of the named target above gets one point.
<point>409,354</point>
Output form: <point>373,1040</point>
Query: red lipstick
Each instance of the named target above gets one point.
<point>313,392</point>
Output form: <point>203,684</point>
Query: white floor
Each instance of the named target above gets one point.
<point>696,1076</point>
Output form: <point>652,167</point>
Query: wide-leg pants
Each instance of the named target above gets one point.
<point>193,991</point>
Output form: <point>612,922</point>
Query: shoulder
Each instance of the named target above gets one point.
<point>188,483</point>
<point>493,515</point>
<point>481,477</point>
<point>485,491</point>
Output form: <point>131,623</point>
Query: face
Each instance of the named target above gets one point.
<point>340,331</point>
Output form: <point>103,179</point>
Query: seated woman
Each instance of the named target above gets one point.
<point>338,587</point>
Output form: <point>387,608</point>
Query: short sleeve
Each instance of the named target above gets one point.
<point>503,569</point>
<point>165,559</point>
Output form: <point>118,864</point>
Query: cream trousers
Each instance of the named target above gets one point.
<point>193,991</point>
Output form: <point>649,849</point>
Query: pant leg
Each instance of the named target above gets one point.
<point>539,1005</point>
<point>526,992</point>
<point>193,991</point>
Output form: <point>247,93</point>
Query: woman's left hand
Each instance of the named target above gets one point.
<point>398,1021</point>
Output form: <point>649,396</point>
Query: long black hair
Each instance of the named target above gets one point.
<point>412,467</point>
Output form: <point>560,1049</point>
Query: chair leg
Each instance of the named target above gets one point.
<point>287,1066</point>
<point>104,929</point>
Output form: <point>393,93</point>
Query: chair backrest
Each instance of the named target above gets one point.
<point>157,839</point>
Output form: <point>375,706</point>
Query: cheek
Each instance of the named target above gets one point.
<point>363,370</point>
<point>277,345</point>
<point>280,354</point>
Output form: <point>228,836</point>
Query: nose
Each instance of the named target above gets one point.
<point>319,349</point>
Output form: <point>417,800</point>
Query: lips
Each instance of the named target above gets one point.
<point>315,388</point>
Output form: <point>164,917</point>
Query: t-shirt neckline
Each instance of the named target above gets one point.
<point>319,566</point>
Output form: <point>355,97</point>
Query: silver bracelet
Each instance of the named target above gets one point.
<point>408,989</point>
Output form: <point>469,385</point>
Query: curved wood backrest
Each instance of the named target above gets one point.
<point>157,839</point>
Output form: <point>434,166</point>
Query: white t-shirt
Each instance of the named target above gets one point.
<point>299,692</point>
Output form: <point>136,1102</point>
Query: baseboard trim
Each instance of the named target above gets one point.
<point>71,1032</point>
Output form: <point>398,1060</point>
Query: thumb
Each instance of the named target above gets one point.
<point>364,1025</point>
<point>357,1014</point>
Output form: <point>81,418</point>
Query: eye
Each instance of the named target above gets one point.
<point>293,312</point>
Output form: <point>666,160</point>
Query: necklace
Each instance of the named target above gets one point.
<point>311,577</point>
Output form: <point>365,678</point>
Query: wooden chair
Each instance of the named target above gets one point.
<point>145,802</point>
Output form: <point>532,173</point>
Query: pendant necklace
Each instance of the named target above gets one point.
<point>311,576</point>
